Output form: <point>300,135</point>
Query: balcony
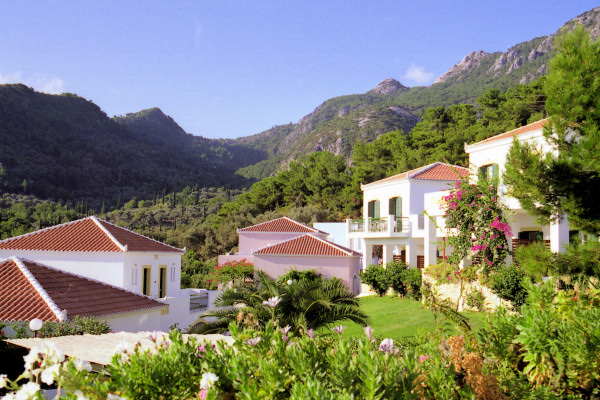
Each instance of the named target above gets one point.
<point>379,227</point>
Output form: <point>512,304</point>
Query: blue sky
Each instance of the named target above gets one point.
<point>235,68</point>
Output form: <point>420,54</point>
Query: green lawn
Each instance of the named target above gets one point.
<point>394,317</point>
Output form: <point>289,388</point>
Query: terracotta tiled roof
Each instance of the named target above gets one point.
<point>515,132</point>
<point>30,290</point>
<point>87,234</point>
<point>442,172</point>
<point>307,245</point>
<point>437,171</point>
<point>281,225</point>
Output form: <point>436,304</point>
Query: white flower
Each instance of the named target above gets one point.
<point>27,391</point>
<point>32,358</point>
<point>272,302</point>
<point>49,374</point>
<point>82,365</point>
<point>289,282</point>
<point>3,381</point>
<point>114,397</point>
<point>386,345</point>
<point>10,396</point>
<point>52,353</point>
<point>80,396</point>
<point>122,347</point>
<point>208,380</point>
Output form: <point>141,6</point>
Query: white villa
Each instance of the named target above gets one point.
<point>101,251</point>
<point>412,227</point>
<point>393,215</point>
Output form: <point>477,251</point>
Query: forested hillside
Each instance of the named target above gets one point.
<point>66,149</point>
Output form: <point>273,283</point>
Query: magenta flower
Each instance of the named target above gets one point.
<point>387,345</point>
<point>423,358</point>
<point>310,333</point>
<point>285,330</point>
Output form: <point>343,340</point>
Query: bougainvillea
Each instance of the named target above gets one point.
<point>478,219</point>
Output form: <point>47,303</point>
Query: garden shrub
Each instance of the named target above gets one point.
<point>475,299</point>
<point>296,276</point>
<point>396,277</point>
<point>75,326</point>
<point>377,278</point>
<point>508,284</point>
<point>535,260</point>
<point>445,272</point>
<point>413,280</point>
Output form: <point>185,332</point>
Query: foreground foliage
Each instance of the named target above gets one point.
<point>551,350</point>
<point>303,304</point>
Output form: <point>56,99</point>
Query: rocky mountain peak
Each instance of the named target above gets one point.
<point>389,86</point>
<point>468,63</point>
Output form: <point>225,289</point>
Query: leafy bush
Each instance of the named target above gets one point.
<point>476,299</point>
<point>508,283</point>
<point>396,277</point>
<point>296,276</point>
<point>377,278</point>
<point>445,272</point>
<point>76,326</point>
<point>535,260</point>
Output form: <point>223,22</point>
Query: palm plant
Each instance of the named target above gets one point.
<point>302,304</point>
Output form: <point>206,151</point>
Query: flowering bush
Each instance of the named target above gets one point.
<point>444,272</point>
<point>551,351</point>
<point>481,228</point>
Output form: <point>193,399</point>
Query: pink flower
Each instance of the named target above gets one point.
<point>310,333</point>
<point>339,329</point>
<point>202,394</point>
<point>490,263</point>
<point>369,332</point>
<point>253,341</point>
<point>423,358</point>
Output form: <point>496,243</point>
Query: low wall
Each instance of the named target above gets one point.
<point>451,291</point>
<point>224,259</point>
<point>179,309</point>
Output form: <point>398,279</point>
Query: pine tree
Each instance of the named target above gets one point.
<point>567,183</point>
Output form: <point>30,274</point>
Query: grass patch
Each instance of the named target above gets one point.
<point>394,317</point>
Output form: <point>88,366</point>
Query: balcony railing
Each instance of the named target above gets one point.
<point>379,225</point>
<point>516,243</point>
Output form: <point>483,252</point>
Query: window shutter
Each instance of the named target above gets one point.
<point>392,208</point>
<point>376,209</point>
<point>371,209</point>
<point>495,171</point>
<point>398,212</point>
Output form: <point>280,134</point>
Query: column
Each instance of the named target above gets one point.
<point>411,253</point>
<point>430,242</point>
<point>388,252</point>
<point>367,258</point>
<point>559,235</point>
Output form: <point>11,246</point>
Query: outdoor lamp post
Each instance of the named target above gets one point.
<point>35,325</point>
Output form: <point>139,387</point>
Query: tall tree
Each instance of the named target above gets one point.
<point>567,182</point>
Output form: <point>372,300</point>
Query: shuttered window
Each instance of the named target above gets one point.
<point>373,209</point>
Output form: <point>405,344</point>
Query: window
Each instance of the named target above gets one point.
<point>488,172</point>
<point>162,281</point>
<point>146,280</point>
<point>373,209</point>
<point>421,221</point>
<point>395,208</point>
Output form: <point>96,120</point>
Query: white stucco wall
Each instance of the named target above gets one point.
<point>345,268</point>
<point>133,272</point>
<point>150,320</point>
<point>103,266</point>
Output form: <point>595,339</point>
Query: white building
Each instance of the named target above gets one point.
<point>393,215</point>
<point>404,213</point>
<point>97,249</point>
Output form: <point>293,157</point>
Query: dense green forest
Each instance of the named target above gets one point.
<point>319,187</point>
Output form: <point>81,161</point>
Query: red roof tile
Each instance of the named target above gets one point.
<point>30,290</point>
<point>442,172</point>
<point>87,234</point>
<point>515,132</point>
<point>307,245</point>
<point>437,171</point>
<point>281,225</point>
